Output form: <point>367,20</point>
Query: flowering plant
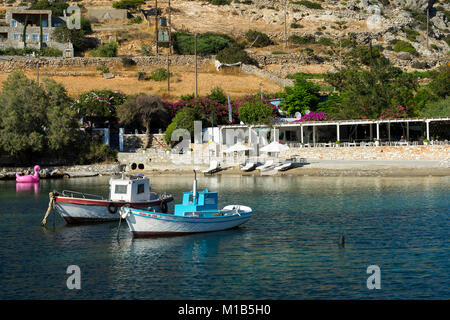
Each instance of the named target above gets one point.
<point>394,113</point>
<point>100,103</point>
<point>219,110</point>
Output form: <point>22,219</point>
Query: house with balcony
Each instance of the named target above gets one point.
<point>40,25</point>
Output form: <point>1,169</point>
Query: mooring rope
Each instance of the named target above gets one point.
<point>51,205</point>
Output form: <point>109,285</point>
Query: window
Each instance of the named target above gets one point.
<point>35,37</point>
<point>120,189</point>
<point>44,24</point>
<point>14,23</point>
<point>27,36</point>
<point>45,37</point>
<point>17,36</point>
<point>140,188</point>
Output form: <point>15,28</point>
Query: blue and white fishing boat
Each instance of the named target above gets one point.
<point>198,213</point>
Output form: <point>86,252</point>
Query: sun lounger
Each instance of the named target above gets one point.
<point>214,166</point>
<point>284,166</point>
<point>249,166</point>
<point>265,166</point>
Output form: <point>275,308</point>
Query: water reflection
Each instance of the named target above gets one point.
<point>288,250</point>
<point>27,187</point>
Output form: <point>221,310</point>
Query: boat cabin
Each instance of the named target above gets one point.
<point>130,189</point>
<point>203,201</point>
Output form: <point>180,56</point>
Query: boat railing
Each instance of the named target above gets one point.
<point>77,194</point>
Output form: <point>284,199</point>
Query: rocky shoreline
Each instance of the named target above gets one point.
<point>58,172</point>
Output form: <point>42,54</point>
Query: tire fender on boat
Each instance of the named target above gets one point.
<point>163,206</point>
<point>112,208</point>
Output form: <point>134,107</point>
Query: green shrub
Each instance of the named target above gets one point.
<point>128,4</point>
<point>128,62</point>
<point>439,108</point>
<point>217,94</point>
<point>135,20</point>
<point>159,74</point>
<point>256,112</point>
<point>258,39</point>
<point>364,55</point>
<point>326,41</point>
<point>296,26</point>
<point>57,8</point>
<point>219,2</point>
<point>279,52</point>
<point>308,4</point>
<point>207,43</point>
<point>411,34</point>
<point>106,50</point>
<point>404,46</point>
<point>103,68</point>
<point>447,40</point>
<point>420,65</point>
<point>307,39</point>
<point>95,152</point>
<point>346,43</point>
<point>234,55</point>
<point>146,50</point>
<point>305,75</point>
<point>419,17</point>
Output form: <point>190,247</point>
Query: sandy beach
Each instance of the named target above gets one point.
<point>330,168</point>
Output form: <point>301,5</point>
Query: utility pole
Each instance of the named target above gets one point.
<point>168,73</point>
<point>285,24</point>
<point>156,25</point>
<point>37,71</point>
<point>428,17</point>
<point>170,27</point>
<point>195,57</point>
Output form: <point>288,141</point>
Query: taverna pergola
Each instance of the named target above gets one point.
<point>313,133</point>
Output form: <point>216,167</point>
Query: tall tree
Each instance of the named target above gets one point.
<point>35,118</point>
<point>146,109</point>
<point>367,92</point>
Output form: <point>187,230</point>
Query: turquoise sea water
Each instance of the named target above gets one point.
<point>288,250</point>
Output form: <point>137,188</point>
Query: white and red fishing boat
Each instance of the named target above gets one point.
<point>130,191</point>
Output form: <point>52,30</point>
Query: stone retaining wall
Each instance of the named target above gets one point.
<point>421,153</point>
<point>9,64</point>
<point>373,153</point>
<point>266,75</point>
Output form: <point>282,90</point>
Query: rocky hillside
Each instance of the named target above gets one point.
<point>319,31</point>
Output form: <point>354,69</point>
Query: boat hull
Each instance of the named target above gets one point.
<point>148,224</point>
<point>76,211</point>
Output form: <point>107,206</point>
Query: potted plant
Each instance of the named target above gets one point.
<point>426,142</point>
<point>377,142</point>
<point>338,143</point>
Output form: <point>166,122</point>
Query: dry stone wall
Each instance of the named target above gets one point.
<point>9,64</point>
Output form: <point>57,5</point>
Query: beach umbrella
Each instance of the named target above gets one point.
<point>237,147</point>
<point>274,146</point>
